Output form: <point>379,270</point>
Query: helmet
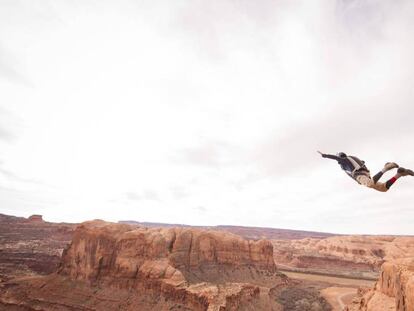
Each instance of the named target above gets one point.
<point>341,154</point>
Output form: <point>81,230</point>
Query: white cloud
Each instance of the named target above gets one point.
<point>214,106</point>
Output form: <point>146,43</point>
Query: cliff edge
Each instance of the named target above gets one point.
<point>394,289</point>
<point>120,267</point>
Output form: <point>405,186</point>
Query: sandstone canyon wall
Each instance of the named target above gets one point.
<point>119,267</point>
<point>394,290</point>
<point>357,256</point>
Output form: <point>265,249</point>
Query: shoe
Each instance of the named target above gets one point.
<point>405,172</point>
<point>390,165</point>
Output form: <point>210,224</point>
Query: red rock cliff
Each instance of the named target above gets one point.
<point>120,267</point>
<point>393,291</point>
<point>100,251</point>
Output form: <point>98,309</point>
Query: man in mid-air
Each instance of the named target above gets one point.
<point>357,170</point>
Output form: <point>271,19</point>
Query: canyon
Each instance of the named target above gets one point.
<point>31,246</point>
<point>98,265</point>
<point>351,256</point>
<point>120,267</point>
<point>394,289</point>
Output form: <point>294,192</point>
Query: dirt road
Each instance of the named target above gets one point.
<point>340,293</point>
<point>339,297</point>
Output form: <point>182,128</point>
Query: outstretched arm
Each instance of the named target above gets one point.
<point>329,156</point>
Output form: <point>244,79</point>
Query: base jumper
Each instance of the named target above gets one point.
<point>356,169</point>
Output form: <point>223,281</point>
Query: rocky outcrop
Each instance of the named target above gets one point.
<point>155,269</point>
<point>393,291</point>
<point>36,218</point>
<point>30,247</point>
<point>358,256</point>
<point>102,251</point>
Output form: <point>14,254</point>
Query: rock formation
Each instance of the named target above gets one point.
<point>100,250</point>
<point>359,256</point>
<point>36,218</point>
<point>31,247</point>
<point>123,267</point>
<point>393,291</point>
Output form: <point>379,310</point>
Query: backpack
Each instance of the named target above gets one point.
<point>357,163</point>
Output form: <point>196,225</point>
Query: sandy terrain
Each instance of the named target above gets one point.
<point>339,297</point>
<point>346,282</point>
<point>340,294</point>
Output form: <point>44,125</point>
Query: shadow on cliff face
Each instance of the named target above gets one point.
<point>394,290</point>
<point>119,267</point>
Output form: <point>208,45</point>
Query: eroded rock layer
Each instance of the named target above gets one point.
<point>31,246</point>
<point>117,252</point>
<point>356,256</point>
<point>126,268</point>
<point>394,289</point>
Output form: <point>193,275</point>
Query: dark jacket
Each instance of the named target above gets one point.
<point>350,164</point>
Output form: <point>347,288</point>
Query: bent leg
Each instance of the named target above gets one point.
<point>380,186</point>
<point>388,166</point>
<point>400,173</point>
<point>377,176</point>
<point>368,182</point>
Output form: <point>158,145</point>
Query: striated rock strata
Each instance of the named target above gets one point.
<point>394,290</point>
<point>31,246</point>
<point>358,256</point>
<point>119,267</point>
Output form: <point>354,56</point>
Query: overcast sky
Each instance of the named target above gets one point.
<point>207,112</point>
